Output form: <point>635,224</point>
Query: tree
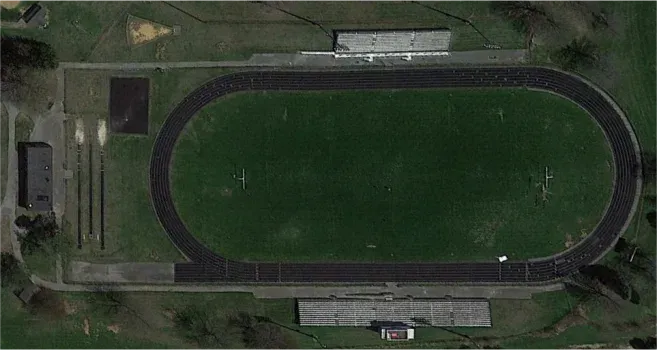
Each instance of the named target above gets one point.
<point>203,327</point>
<point>652,218</point>
<point>525,16</point>
<point>622,246</point>
<point>19,52</point>
<point>24,62</point>
<point>10,269</point>
<point>47,303</point>
<point>259,334</point>
<point>265,336</point>
<point>647,343</point>
<point>652,201</point>
<point>609,278</point>
<point>578,54</point>
<point>39,231</point>
<point>110,302</point>
<point>634,265</point>
<point>23,222</point>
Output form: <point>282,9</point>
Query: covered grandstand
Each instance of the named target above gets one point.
<point>416,313</point>
<point>416,42</point>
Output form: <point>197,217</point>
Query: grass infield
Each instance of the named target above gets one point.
<point>391,176</point>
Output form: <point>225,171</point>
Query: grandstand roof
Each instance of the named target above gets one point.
<point>372,41</point>
<point>417,312</point>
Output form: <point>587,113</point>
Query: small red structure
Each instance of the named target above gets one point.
<point>393,334</point>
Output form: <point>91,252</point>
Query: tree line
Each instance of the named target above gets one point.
<point>532,19</point>
<point>24,61</point>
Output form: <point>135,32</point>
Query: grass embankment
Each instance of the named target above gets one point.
<point>211,31</point>
<point>143,320</point>
<point>65,332</point>
<point>400,176</point>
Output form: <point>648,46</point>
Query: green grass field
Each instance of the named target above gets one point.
<point>149,324</point>
<point>95,31</point>
<point>132,230</point>
<point>421,175</point>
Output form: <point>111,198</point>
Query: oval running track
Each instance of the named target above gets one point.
<point>208,266</point>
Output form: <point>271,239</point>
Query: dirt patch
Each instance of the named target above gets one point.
<point>169,314</point>
<point>153,255</point>
<point>114,328</point>
<point>141,31</point>
<point>569,241</point>
<point>160,49</point>
<point>572,19</point>
<point>575,318</point>
<point>79,131</point>
<point>102,132</point>
<point>85,326</point>
<point>9,4</point>
<point>69,308</point>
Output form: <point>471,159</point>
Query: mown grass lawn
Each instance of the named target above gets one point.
<point>96,31</point>
<point>395,175</point>
<point>132,231</point>
<point>149,323</point>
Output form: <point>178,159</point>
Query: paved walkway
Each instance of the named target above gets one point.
<point>132,272</point>
<point>317,61</point>
<point>8,205</point>
<point>301,291</point>
<point>159,277</point>
<point>13,25</point>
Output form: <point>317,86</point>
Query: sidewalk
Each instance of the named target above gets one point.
<point>317,291</point>
<point>281,60</point>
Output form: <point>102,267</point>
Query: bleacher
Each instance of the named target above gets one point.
<point>392,41</point>
<point>362,312</point>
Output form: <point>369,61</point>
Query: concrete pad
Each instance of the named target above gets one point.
<point>150,273</point>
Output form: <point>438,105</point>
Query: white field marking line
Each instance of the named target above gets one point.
<point>79,131</point>
<point>102,132</point>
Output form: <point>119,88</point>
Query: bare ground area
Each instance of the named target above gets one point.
<point>142,31</point>
<point>9,4</point>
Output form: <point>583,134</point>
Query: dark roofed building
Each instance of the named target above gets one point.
<point>34,16</point>
<point>35,176</point>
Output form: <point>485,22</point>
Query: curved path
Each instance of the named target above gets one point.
<point>207,266</point>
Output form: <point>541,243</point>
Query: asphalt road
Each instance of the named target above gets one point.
<point>208,266</point>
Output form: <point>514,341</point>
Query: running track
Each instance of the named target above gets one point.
<point>207,266</point>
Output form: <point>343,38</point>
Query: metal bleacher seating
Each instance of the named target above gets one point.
<point>393,41</point>
<point>362,312</point>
